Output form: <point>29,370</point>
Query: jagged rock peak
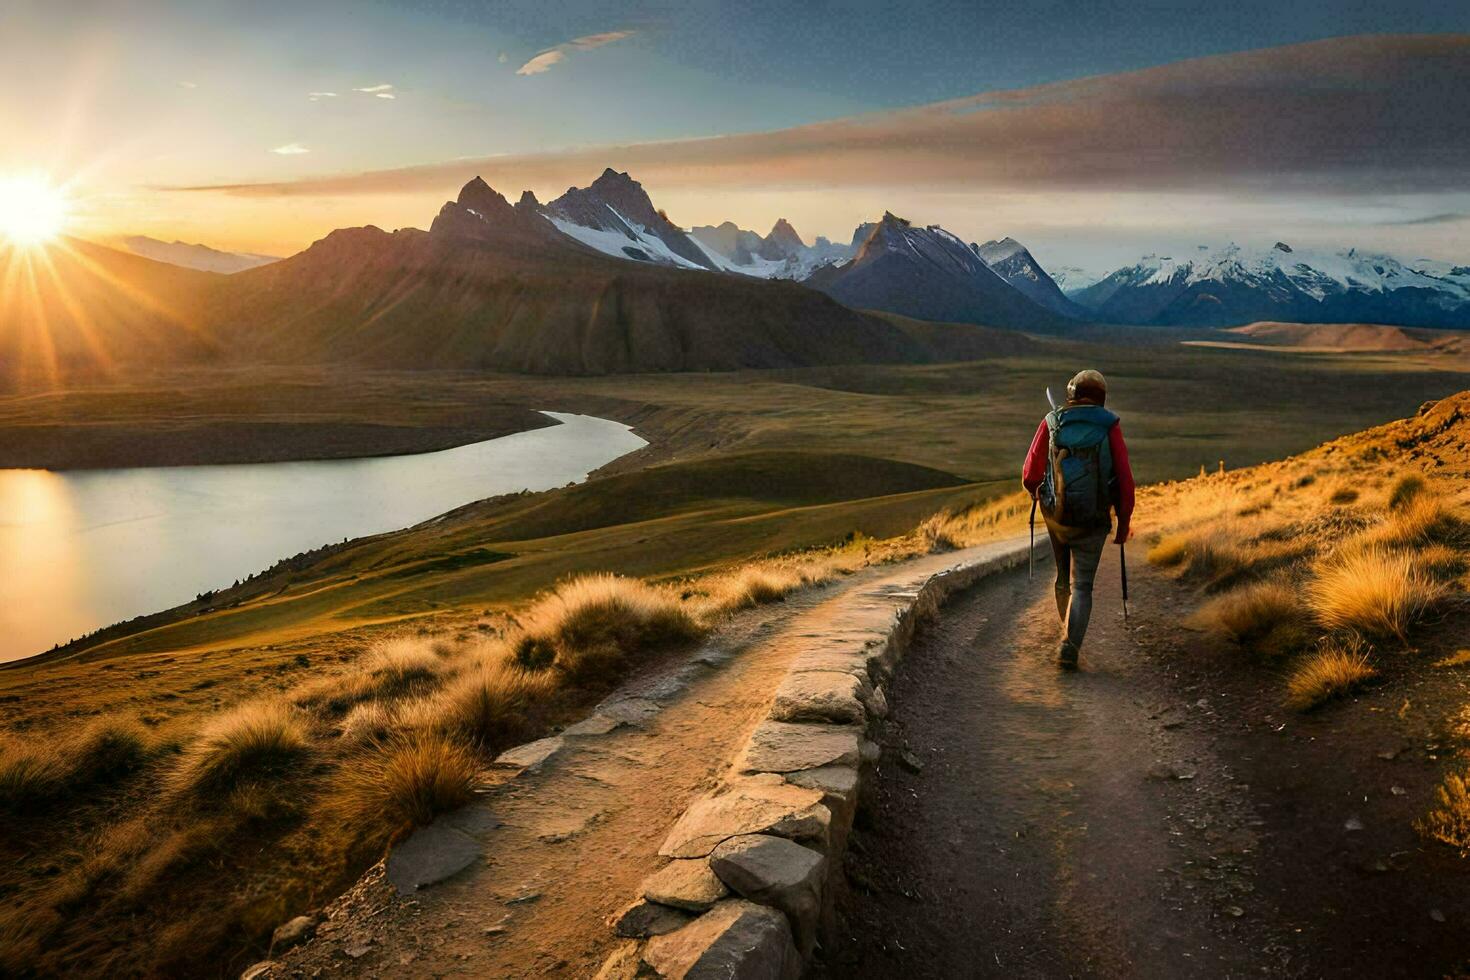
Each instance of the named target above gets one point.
<point>889,218</point>
<point>1282,247</point>
<point>528,200</point>
<point>783,233</point>
<point>481,198</point>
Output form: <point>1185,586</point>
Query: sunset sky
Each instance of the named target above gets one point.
<point>261,126</point>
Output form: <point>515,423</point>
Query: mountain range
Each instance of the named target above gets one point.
<point>196,256</point>
<point>596,281</point>
<point>1234,285</point>
<point>600,280</point>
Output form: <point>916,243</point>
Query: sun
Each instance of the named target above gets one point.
<point>33,211</point>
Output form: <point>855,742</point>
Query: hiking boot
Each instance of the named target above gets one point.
<point>1067,656</point>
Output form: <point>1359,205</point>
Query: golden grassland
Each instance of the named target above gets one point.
<point>291,794</point>
<point>1338,565</point>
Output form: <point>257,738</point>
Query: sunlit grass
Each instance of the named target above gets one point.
<point>1326,674</point>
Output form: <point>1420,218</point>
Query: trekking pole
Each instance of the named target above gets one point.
<point>1123,562</point>
<point>1031,555</point>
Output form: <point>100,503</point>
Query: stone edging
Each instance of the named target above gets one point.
<point>754,863</point>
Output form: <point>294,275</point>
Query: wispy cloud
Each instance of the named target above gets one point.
<point>383,91</point>
<point>1291,120</point>
<point>555,55</point>
<point>318,96</point>
<point>1445,218</point>
<point>188,85</point>
<point>290,149</point>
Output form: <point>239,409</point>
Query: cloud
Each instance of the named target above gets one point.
<point>502,57</point>
<point>318,96</point>
<point>1348,115</point>
<point>1448,217</point>
<point>383,91</point>
<point>290,149</point>
<point>188,85</point>
<point>555,55</point>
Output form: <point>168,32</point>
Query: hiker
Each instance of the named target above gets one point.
<point>1077,469</point>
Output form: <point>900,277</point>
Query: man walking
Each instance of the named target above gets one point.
<point>1077,469</point>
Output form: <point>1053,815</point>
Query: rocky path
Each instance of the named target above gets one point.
<point>522,882</point>
<point>1157,814</point>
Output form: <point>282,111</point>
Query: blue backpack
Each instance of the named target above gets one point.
<point>1079,485</point>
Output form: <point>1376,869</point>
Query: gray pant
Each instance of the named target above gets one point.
<point>1077,552</point>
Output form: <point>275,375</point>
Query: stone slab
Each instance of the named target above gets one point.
<point>430,855</point>
<point>778,746</point>
<point>748,807</point>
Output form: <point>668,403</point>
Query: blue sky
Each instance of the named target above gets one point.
<point>132,95</point>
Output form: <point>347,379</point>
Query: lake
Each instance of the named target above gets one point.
<point>85,549</point>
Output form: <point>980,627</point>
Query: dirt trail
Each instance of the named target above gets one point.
<point>1157,814</point>
<point>565,844</point>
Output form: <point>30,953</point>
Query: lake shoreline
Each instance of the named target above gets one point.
<point>81,448</point>
<point>193,529</point>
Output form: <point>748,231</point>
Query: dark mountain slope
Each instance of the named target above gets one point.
<point>929,274</point>
<point>492,286</point>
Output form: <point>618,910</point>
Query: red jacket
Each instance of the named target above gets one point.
<point>1035,471</point>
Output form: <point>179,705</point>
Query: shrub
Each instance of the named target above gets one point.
<point>1266,616</point>
<point>252,742</point>
<point>1328,673</point>
<point>407,782</point>
<point>939,532</point>
<point>1373,591</point>
<point>1405,489</point>
<point>1449,821</point>
<point>1424,519</point>
<point>590,626</point>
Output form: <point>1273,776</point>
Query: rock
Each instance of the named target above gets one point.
<point>621,964</point>
<point>878,703</point>
<point>529,756</point>
<point>594,725</point>
<point>432,854</point>
<point>778,746</point>
<point>1352,824</point>
<point>644,918</point>
<point>869,751</point>
<point>735,940</point>
<point>685,884</point>
<point>747,807</point>
<point>256,971</point>
<point>819,695</point>
<point>1436,915</point>
<point>910,762</point>
<point>838,784</point>
<point>292,933</point>
<point>777,872</point>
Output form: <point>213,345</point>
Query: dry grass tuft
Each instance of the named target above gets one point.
<point>34,772</point>
<point>589,628</point>
<point>406,782</point>
<point>1373,591</point>
<point>1170,551</point>
<point>1269,617</point>
<point>1405,489</point>
<point>30,774</point>
<point>395,668</point>
<point>1329,673</point>
<point>257,741</point>
<point>1449,821</point>
<point>371,721</point>
<point>493,705</point>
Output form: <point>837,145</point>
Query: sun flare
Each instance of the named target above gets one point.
<point>33,211</point>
